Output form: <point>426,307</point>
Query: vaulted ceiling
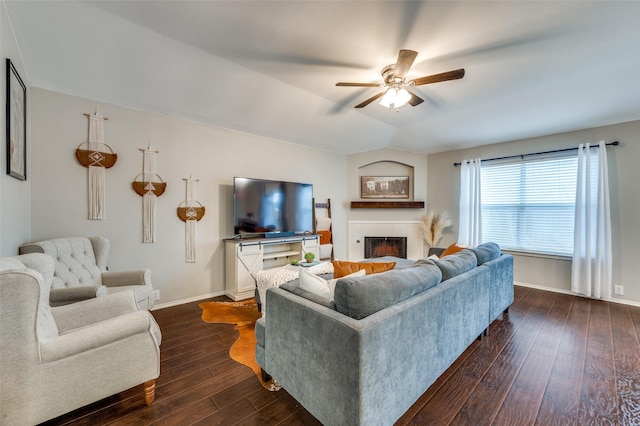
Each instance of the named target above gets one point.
<point>270,67</point>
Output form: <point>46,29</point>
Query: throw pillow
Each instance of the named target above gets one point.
<point>325,237</point>
<point>453,248</point>
<point>343,268</point>
<point>320,286</point>
<point>294,287</point>
<point>314,284</point>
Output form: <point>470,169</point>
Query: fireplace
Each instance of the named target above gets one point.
<point>409,231</point>
<point>385,246</point>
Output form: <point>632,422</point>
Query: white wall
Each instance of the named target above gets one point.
<point>211,154</point>
<point>15,195</point>
<point>624,174</point>
<point>388,162</point>
<point>214,155</point>
<point>384,162</point>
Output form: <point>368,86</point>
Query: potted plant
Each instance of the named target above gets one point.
<point>308,256</point>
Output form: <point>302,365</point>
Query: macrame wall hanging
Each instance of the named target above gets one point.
<point>190,211</point>
<point>149,186</point>
<point>96,156</point>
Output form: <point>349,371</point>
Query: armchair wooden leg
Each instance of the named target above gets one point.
<point>149,391</point>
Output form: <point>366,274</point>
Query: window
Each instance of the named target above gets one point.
<point>529,205</point>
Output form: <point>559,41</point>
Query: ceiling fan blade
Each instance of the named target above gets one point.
<point>359,84</point>
<point>368,101</point>
<point>405,60</point>
<point>415,100</point>
<point>436,78</point>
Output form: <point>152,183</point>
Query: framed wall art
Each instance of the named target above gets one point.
<point>16,121</point>
<point>384,186</point>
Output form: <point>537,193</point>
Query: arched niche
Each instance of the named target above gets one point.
<point>388,168</point>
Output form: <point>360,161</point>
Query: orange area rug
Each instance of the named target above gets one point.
<point>244,315</point>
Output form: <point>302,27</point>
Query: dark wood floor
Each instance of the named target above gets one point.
<point>553,359</point>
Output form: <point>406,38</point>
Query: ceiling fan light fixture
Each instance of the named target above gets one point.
<point>402,97</point>
<point>395,98</point>
<point>388,98</point>
<point>394,82</point>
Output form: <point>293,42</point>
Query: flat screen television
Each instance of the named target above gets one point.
<point>270,207</point>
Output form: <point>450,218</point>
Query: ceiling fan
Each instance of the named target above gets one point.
<point>395,86</point>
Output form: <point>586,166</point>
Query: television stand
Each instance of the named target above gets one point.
<point>244,258</point>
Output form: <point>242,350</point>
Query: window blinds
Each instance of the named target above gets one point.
<point>529,205</point>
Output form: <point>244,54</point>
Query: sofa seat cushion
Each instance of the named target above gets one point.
<point>359,297</point>
<point>67,295</point>
<point>456,264</point>
<point>486,252</point>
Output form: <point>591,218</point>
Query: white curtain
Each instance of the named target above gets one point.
<point>470,233</point>
<point>591,267</point>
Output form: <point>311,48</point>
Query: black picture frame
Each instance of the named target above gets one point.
<point>16,123</point>
<point>389,187</point>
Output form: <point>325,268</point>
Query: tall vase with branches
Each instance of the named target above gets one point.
<point>433,224</point>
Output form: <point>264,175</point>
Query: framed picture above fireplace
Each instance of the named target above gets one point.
<point>389,187</point>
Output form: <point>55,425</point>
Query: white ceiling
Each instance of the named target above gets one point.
<point>269,67</point>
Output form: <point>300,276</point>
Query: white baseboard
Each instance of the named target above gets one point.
<point>558,290</point>
<point>188,300</point>
<point>518,283</point>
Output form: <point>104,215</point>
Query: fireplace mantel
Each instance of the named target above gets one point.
<point>387,204</point>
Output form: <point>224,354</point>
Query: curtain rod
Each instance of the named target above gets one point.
<point>615,143</point>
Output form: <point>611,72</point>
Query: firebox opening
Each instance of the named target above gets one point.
<point>385,246</point>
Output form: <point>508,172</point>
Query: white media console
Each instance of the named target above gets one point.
<point>245,257</point>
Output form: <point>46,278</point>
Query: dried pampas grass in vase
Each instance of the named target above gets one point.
<point>433,225</point>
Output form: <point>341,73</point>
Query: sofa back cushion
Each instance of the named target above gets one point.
<point>359,297</point>
<point>486,252</point>
<point>456,264</point>
<point>75,261</point>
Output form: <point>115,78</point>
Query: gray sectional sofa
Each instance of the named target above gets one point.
<point>367,356</point>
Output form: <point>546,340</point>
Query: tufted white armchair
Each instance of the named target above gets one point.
<point>55,360</point>
<point>81,271</point>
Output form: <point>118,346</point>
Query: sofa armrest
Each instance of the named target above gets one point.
<point>90,311</point>
<point>124,278</point>
<point>67,295</point>
<point>94,336</point>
